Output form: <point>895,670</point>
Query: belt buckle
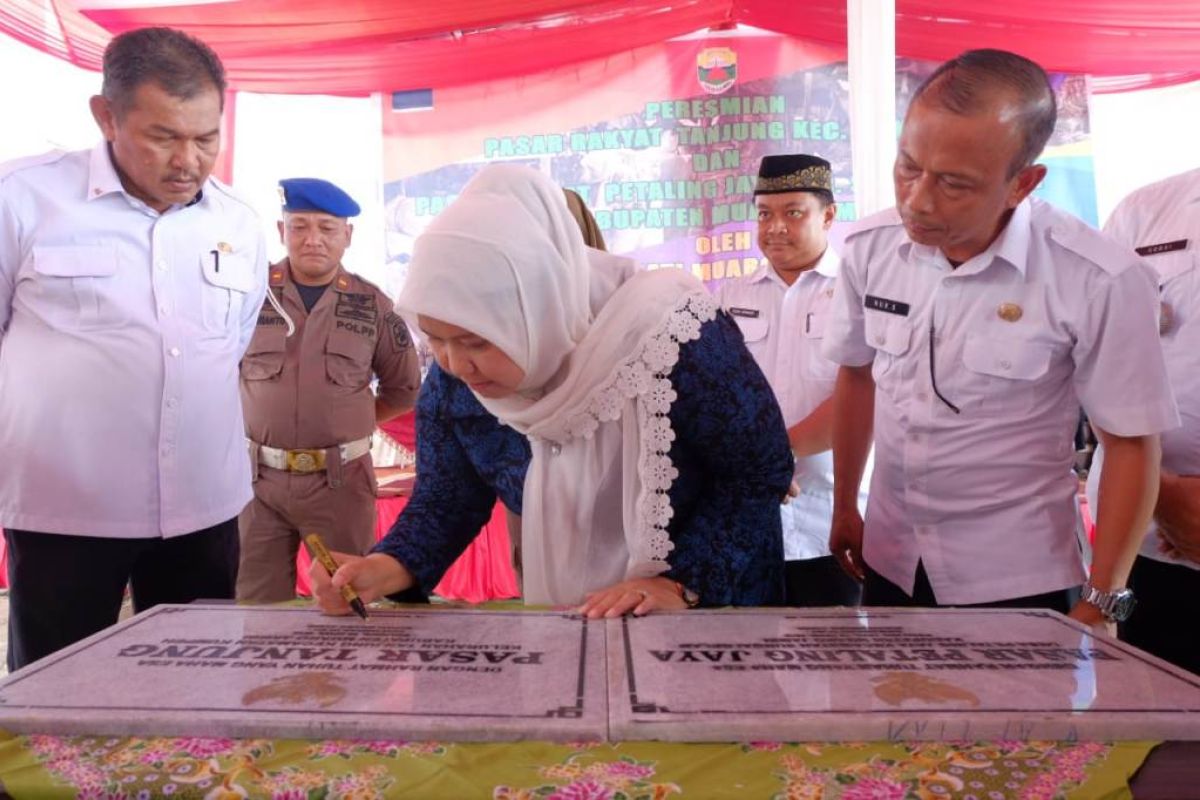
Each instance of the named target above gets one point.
<point>305,460</point>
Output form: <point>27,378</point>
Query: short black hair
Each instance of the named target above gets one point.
<point>967,83</point>
<point>181,64</point>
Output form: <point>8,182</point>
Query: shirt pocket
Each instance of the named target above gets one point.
<point>348,359</point>
<point>1169,266</point>
<point>891,337</point>
<point>754,334</point>
<point>1002,374</point>
<point>78,286</point>
<point>264,357</point>
<point>228,278</point>
<point>754,329</point>
<point>818,367</point>
<point>1178,280</point>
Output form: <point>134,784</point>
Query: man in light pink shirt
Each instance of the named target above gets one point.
<point>130,282</point>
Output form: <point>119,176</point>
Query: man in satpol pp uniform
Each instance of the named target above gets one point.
<point>781,310</point>
<point>129,284</point>
<point>322,335</point>
<point>1161,222</point>
<point>972,322</point>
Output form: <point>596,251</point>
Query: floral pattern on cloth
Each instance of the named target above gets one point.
<point>130,768</point>
<point>623,778</point>
<point>219,768</point>
<point>934,770</point>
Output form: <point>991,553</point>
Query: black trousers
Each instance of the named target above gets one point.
<point>879,591</point>
<point>64,588</point>
<point>1160,622</point>
<point>813,582</point>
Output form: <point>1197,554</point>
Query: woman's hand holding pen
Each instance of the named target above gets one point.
<point>374,576</point>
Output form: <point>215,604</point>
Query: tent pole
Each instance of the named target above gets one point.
<point>871,44</point>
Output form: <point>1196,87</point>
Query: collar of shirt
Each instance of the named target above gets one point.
<point>827,266</point>
<point>829,263</point>
<point>1012,246</point>
<point>342,282</point>
<point>102,174</point>
<point>103,179</point>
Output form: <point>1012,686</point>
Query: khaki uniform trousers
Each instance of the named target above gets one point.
<point>338,503</point>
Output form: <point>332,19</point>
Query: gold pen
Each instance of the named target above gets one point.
<point>321,553</point>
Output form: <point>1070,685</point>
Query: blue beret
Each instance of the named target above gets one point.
<point>314,194</point>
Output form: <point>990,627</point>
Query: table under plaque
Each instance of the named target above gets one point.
<point>196,701</point>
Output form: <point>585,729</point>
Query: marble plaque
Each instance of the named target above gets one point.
<point>225,670</point>
<point>888,674</point>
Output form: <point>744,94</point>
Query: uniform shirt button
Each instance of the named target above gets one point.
<point>1005,364</point>
<point>555,449</point>
<point>165,310</point>
<point>161,263</point>
<point>174,351</point>
<point>172,403</point>
<point>880,339</point>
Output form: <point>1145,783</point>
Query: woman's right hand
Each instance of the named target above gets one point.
<point>372,577</point>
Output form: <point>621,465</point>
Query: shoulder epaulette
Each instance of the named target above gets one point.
<point>887,218</point>
<point>1105,253</point>
<point>17,164</point>
<point>227,191</point>
<point>364,287</point>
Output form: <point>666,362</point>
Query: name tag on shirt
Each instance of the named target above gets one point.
<point>1164,247</point>
<point>749,313</point>
<point>885,305</point>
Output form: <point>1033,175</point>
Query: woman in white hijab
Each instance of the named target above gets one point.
<point>636,437</point>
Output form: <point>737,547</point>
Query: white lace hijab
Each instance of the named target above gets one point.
<point>596,339</point>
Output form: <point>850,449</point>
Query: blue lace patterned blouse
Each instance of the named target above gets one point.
<point>731,450</point>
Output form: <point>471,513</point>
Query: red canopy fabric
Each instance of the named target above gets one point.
<point>361,46</point>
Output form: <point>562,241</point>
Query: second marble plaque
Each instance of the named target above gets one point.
<point>888,674</point>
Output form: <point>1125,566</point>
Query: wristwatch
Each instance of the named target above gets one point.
<point>1116,606</point>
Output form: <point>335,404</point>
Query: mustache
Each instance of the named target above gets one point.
<point>914,219</point>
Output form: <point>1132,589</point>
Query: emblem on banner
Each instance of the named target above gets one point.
<point>716,69</point>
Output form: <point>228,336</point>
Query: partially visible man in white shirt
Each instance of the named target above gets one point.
<point>781,309</point>
<point>1161,222</point>
<point>130,283</point>
<point>972,322</point>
